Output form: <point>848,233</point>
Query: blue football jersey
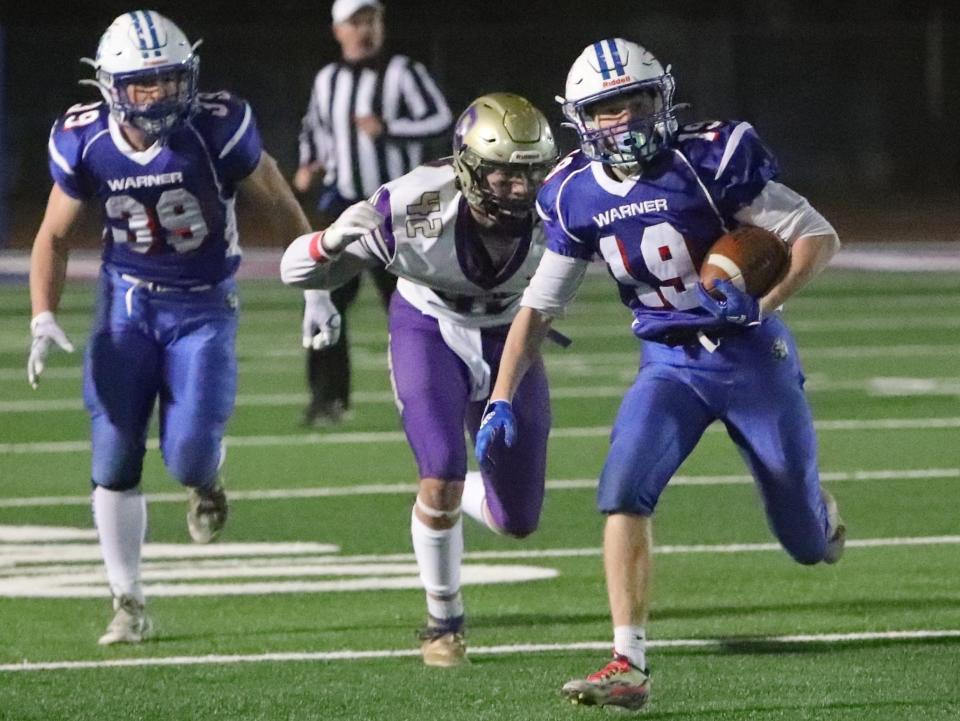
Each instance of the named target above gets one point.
<point>653,232</point>
<point>169,209</point>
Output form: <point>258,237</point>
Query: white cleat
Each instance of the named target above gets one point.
<point>836,529</point>
<point>130,624</point>
<point>206,513</point>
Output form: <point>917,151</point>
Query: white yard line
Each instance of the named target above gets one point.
<point>379,489</point>
<point>557,361</point>
<point>503,650</point>
<point>876,386</point>
<point>312,439</point>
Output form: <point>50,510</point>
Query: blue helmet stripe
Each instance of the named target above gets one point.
<point>604,70</point>
<point>615,54</point>
<point>153,31</point>
<point>140,38</point>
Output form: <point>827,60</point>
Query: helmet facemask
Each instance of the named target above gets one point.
<point>143,48</point>
<point>157,118</point>
<point>503,150</point>
<point>503,191</point>
<point>649,123</point>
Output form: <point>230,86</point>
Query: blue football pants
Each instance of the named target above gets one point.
<point>175,346</point>
<point>763,407</point>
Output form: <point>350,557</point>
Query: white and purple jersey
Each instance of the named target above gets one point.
<point>431,242</point>
<point>169,209</point>
<point>654,231</point>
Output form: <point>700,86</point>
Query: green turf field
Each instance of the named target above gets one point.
<point>307,608</point>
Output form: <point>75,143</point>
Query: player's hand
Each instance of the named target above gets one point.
<point>371,125</point>
<point>353,223</point>
<point>44,330</point>
<point>498,421</point>
<point>321,320</point>
<point>736,308</point>
<point>671,327</point>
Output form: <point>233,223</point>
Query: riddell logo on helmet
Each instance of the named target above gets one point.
<point>525,156</point>
<point>617,81</point>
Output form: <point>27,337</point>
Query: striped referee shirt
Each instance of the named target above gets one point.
<point>400,92</point>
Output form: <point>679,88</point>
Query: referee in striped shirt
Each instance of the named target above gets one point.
<point>366,124</point>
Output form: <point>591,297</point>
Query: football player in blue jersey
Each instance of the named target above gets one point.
<point>166,163</point>
<point>650,197</point>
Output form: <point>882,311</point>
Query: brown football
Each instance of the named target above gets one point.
<point>753,258</point>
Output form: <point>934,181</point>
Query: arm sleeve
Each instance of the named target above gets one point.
<point>554,284</point>
<point>784,212</point>
<point>430,114</point>
<point>305,266</point>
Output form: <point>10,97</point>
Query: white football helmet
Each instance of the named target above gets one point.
<point>615,67</point>
<point>143,47</point>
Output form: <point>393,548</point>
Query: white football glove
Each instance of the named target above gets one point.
<point>44,330</point>
<point>353,223</point>
<point>321,320</point>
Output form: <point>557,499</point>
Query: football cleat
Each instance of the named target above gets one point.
<point>130,623</point>
<point>619,683</point>
<point>206,513</point>
<point>442,644</point>
<point>836,529</point>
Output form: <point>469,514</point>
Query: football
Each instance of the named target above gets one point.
<point>753,258</point>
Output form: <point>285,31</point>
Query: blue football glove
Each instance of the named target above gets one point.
<point>671,327</point>
<point>498,420</point>
<point>736,308</point>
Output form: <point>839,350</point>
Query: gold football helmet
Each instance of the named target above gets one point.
<point>506,133</point>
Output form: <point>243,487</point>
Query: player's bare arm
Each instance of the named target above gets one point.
<point>48,261</point>
<point>268,191</point>
<point>808,256</point>
<point>524,340</point>
<point>48,270</point>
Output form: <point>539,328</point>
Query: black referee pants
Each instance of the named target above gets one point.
<point>328,370</point>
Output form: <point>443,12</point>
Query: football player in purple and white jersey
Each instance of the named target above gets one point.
<point>462,237</point>
<point>650,197</point>
<point>165,163</point>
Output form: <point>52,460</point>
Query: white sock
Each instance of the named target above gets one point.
<point>631,641</point>
<point>474,497</point>
<point>121,521</point>
<point>439,554</point>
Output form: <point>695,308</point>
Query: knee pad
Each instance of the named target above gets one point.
<point>116,484</point>
<point>436,513</point>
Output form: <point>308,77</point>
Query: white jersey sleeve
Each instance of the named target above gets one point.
<point>784,212</point>
<point>429,241</point>
<point>304,265</point>
<point>555,283</point>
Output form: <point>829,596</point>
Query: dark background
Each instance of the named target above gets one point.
<point>859,99</point>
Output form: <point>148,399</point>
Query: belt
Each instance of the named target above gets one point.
<point>153,287</point>
<point>162,288</point>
